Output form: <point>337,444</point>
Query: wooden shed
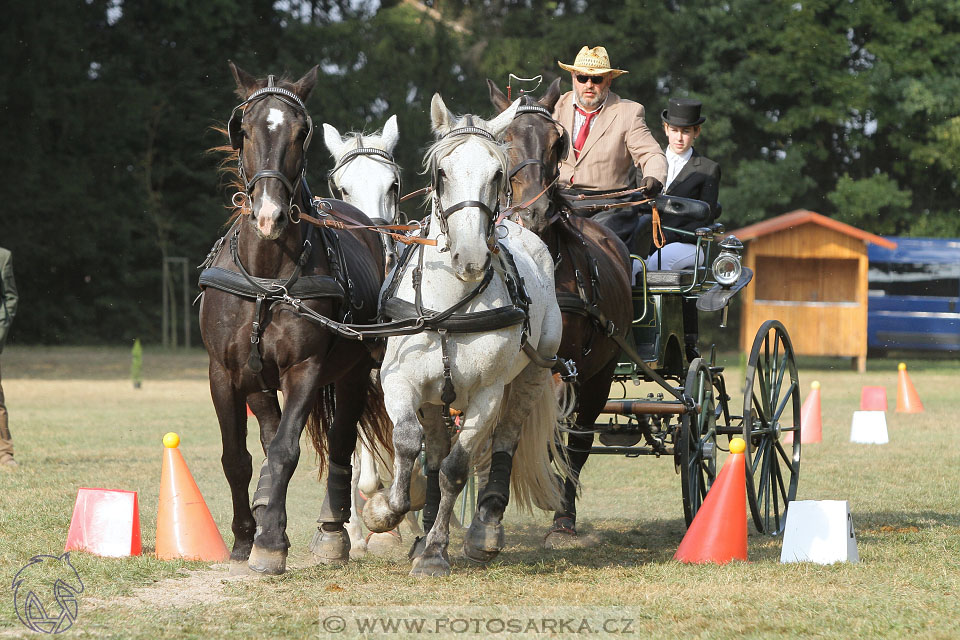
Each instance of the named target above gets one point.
<point>811,274</point>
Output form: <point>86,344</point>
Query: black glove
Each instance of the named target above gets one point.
<point>651,186</point>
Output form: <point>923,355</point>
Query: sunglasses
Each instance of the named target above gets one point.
<point>595,79</point>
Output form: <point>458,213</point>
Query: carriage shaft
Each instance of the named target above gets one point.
<point>643,407</point>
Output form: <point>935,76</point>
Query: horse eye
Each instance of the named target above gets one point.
<point>441,173</point>
<point>498,176</point>
<point>395,187</point>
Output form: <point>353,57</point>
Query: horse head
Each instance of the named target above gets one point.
<point>365,173</point>
<point>537,144</point>
<point>271,131</point>
<point>468,168</point>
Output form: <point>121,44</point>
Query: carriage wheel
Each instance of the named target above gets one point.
<point>698,440</point>
<point>771,405</point>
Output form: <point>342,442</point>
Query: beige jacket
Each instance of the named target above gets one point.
<point>618,140</point>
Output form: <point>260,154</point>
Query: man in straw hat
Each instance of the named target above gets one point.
<point>611,142</point>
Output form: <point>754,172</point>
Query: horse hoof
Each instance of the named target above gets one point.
<point>358,550</point>
<point>331,547</point>
<point>269,562</point>
<point>562,535</point>
<point>483,541</point>
<point>430,567</point>
<point>381,544</point>
<point>377,514</point>
<point>417,549</point>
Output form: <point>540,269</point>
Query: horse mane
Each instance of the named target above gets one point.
<point>446,144</point>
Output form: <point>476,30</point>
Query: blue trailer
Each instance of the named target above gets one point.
<point>914,295</point>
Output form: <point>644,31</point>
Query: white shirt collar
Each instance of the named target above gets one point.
<point>676,163</point>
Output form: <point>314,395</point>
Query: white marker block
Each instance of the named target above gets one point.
<point>819,531</point>
<point>869,427</point>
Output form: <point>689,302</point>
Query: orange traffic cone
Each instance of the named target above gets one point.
<point>718,532</point>
<point>185,528</point>
<point>907,399</point>
<point>811,429</point>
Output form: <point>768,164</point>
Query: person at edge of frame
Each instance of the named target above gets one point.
<point>8,309</point>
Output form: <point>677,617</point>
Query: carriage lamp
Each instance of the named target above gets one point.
<point>727,268</point>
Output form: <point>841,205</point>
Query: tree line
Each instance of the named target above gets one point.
<point>848,108</point>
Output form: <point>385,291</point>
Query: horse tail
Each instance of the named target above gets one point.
<point>539,464</point>
<point>319,422</point>
<point>376,428</point>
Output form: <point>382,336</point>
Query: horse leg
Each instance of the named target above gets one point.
<point>484,539</point>
<point>437,446</point>
<point>331,542</point>
<point>358,546</point>
<point>386,508</point>
<point>269,553</point>
<point>484,407</point>
<point>266,409</point>
<point>592,397</point>
<point>236,460</point>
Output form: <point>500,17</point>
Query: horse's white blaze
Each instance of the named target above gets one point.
<point>274,119</point>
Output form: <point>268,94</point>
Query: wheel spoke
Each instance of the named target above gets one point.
<point>783,403</point>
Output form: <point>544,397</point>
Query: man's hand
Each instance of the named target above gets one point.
<point>651,186</point>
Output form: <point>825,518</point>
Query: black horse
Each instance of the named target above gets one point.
<point>273,288</point>
<point>592,276</point>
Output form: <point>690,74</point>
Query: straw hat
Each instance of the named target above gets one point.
<point>592,62</point>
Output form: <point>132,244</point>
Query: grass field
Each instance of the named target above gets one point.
<point>77,422</point>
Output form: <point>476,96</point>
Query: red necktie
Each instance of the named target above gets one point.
<point>584,130</point>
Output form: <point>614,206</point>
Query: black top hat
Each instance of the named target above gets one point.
<point>683,112</point>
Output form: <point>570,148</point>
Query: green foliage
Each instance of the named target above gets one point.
<point>851,109</point>
<point>874,203</point>
<point>136,364</point>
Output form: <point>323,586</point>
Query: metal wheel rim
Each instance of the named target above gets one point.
<point>771,405</point>
<point>697,432</point>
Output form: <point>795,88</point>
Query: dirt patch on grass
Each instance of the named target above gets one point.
<point>192,587</point>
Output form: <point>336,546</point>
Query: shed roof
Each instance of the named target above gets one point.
<point>802,216</point>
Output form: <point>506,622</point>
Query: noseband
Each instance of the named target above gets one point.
<point>444,214</point>
<point>234,129</point>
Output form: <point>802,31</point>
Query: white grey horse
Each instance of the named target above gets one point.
<point>366,175</point>
<point>486,294</point>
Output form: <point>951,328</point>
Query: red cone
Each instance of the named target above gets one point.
<point>907,399</point>
<point>718,532</point>
<point>105,522</point>
<point>873,399</point>
<point>811,428</point>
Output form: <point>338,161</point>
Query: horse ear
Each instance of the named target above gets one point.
<point>331,138</point>
<point>305,84</point>
<point>549,99</point>
<point>496,96</point>
<point>499,124</point>
<point>246,83</point>
<point>441,120</point>
<point>391,134</point>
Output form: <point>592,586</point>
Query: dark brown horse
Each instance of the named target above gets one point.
<point>592,275</point>
<point>263,282</point>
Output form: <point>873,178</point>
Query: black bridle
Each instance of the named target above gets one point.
<point>235,131</point>
<point>377,154</point>
<point>543,112</point>
<point>443,214</point>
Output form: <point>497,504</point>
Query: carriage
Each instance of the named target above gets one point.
<point>686,410</point>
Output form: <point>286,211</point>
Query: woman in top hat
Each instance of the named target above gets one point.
<point>689,175</point>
